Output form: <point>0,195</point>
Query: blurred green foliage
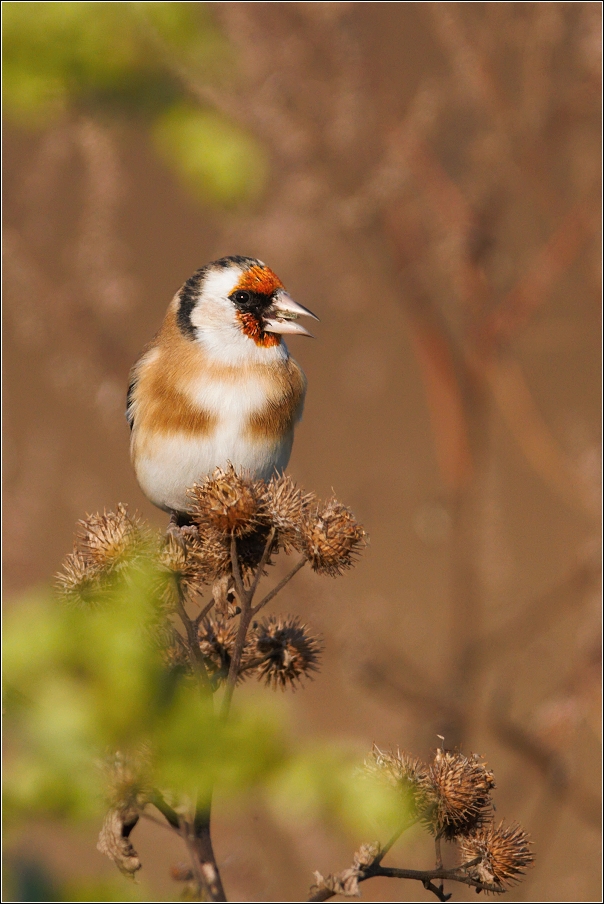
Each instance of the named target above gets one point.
<point>82,682</point>
<point>212,155</point>
<point>140,60</point>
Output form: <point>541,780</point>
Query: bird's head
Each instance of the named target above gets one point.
<point>238,302</point>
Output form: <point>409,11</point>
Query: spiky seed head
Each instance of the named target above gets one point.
<point>505,854</point>
<point>213,554</point>
<point>286,651</point>
<point>80,581</point>
<point>287,507</point>
<point>111,539</point>
<point>179,558</point>
<point>457,793</point>
<point>228,502</point>
<point>128,777</point>
<point>332,538</point>
<point>405,773</point>
<point>216,642</point>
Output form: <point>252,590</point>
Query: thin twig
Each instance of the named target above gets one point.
<point>239,585</point>
<point>244,623</point>
<point>157,799</point>
<point>199,618</point>
<point>457,874</point>
<point>439,865</point>
<point>392,840</point>
<point>454,875</point>
<point>273,593</point>
<point>158,822</point>
<point>265,557</point>
<point>195,655</point>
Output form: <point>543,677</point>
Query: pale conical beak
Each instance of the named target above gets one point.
<point>284,313</point>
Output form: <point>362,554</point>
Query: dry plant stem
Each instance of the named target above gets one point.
<point>393,839</point>
<point>244,623</point>
<point>265,557</point>
<point>457,874</point>
<point>273,593</point>
<point>165,809</point>
<point>193,645</point>
<point>248,611</point>
<point>197,837</point>
<point>206,609</point>
<point>201,842</point>
<point>202,885</point>
<point>439,865</point>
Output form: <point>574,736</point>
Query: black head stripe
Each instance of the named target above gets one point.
<point>188,298</point>
<point>130,402</point>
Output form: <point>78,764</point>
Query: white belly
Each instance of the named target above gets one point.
<point>167,465</point>
<point>177,462</point>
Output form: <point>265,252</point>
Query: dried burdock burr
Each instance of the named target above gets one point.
<point>227,502</point>
<point>180,558</point>
<point>457,793</point>
<point>283,651</point>
<point>332,538</point>
<point>111,539</point>
<point>287,506</point>
<point>104,545</point>
<point>213,554</point>
<point>216,641</point>
<point>401,771</point>
<point>80,580</point>
<point>504,854</point>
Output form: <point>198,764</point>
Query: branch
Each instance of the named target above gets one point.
<point>456,874</point>
<point>265,557</point>
<point>244,622</point>
<point>157,799</point>
<point>273,593</point>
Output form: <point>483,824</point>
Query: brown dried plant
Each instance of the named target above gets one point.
<point>451,797</point>
<point>237,526</point>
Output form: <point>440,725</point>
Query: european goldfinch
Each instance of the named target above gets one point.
<point>217,383</point>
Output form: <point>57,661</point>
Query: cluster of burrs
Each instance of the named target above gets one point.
<point>451,797</point>
<point>237,527</point>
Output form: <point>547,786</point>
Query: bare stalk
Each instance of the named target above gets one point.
<point>279,587</point>
<point>393,839</point>
<point>457,874</point>
<point>244,623</point>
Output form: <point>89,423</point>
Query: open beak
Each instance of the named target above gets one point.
<point>284,313</point>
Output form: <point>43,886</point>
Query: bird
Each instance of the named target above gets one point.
<point>217,386</point>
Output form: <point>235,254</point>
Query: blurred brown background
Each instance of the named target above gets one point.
<point>434,197</point>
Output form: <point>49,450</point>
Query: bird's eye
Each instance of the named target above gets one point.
<point>242,297</point>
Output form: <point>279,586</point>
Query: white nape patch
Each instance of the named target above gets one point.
<point>179,461</point>
<point>218,330</point>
